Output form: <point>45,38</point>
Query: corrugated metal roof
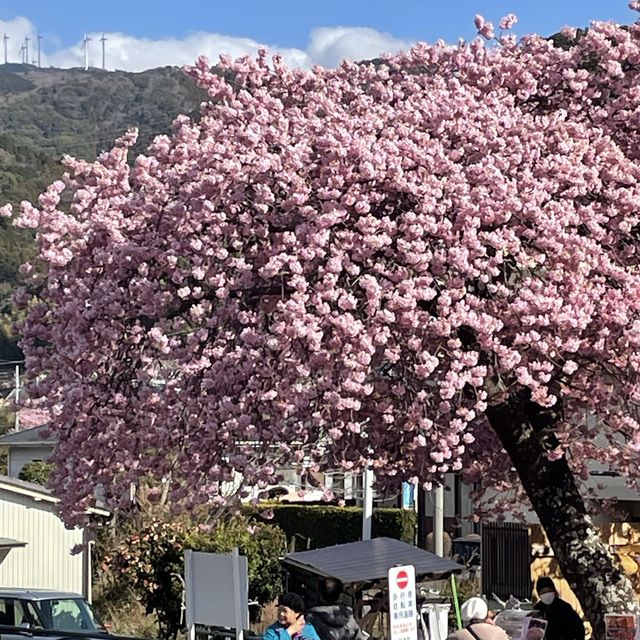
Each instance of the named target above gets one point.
<point>10,543</point>
<point>38,492</point>
<point>15,485</point>
<point>370,560</point>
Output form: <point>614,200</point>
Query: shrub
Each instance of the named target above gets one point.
<point>316,526</point>
<point>36,471</point>
<point>151,562</point>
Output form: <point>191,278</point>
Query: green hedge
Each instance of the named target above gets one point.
<point>316,526</point>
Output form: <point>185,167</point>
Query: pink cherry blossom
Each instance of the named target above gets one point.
<point>508,21</point>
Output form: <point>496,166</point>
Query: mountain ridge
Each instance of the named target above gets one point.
<point>48,113</point>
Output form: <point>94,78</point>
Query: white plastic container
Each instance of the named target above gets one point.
<point>437,617</point>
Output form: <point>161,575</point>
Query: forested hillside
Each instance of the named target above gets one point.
<point>47,113</point>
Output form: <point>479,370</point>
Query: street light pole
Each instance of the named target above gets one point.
<point>438,521</point>
<point>367,502</point>
<point>17,418</point>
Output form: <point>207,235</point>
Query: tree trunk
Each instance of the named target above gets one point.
<point>523,428</point>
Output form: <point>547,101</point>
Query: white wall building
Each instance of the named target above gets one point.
<point>35,546</point>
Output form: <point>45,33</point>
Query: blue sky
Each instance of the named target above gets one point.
<point>283,24</point>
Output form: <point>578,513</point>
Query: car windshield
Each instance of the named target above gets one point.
<point>67,614</point>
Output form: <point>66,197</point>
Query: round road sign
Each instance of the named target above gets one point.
<point>402,579</point>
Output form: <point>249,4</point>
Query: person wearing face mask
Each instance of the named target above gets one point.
<point>563,623</point>
<point>291,624</point>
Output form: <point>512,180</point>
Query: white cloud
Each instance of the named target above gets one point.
<point>327,46</point>
<point>137,54</point>
<point>17,30</point>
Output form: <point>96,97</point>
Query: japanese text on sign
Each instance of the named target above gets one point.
<point>403,622</point>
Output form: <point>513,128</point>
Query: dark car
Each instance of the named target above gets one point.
<point>43,609</point>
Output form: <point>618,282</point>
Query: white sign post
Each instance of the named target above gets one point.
<point>403,620</point>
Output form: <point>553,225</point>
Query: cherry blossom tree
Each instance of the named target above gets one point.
<point>426,263</point>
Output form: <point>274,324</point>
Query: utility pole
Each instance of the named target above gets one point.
<point>26,49</point>
<point>367,502</point>
<point>17,418</point>
<point>104,59</point>
<point>85,41</point>
<point>39,40</point>
<point>6,39</point>
<point>438,522</point>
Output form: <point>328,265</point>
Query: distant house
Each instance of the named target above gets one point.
<point>30,445</point>
<point>35,546</point>
<point>27,445</point>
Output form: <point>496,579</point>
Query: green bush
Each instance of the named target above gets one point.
<point>150,561</point>
<point>316,526</point>
<point>36,471</point>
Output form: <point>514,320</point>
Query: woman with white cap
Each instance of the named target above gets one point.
<point>474,616</point>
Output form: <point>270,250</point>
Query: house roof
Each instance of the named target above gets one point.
<point>370,560</point>
<point>10,543</point>
<point>37,492</point>
<point>27,438</point>
<point>22,487</point>
<point>611,487</point>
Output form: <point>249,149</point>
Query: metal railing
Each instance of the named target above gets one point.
<point>506,560</point>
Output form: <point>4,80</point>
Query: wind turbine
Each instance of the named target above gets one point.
<point>5,39</point>
<point>103,40</point>
<point>39,39</point>
<point>26,49</point>
<point>85,42</point>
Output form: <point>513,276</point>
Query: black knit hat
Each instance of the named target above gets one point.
<point>291,600</point>
<point>545,582</point>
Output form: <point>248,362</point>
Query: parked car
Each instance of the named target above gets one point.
<point>42,609</point>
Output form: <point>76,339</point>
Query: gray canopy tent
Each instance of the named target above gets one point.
<point>360,566</point>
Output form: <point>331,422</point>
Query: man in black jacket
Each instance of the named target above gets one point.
<point>563,623</point>
<point>333,620</point>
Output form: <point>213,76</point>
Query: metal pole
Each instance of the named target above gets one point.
<point>456,601</point>
<point>188,580</point>
<point>438,521</point>
<point>236,592</point>
<point>367,502</point>
<point>17,418</point>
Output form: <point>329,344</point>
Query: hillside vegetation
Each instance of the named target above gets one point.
<point>47,113</point>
